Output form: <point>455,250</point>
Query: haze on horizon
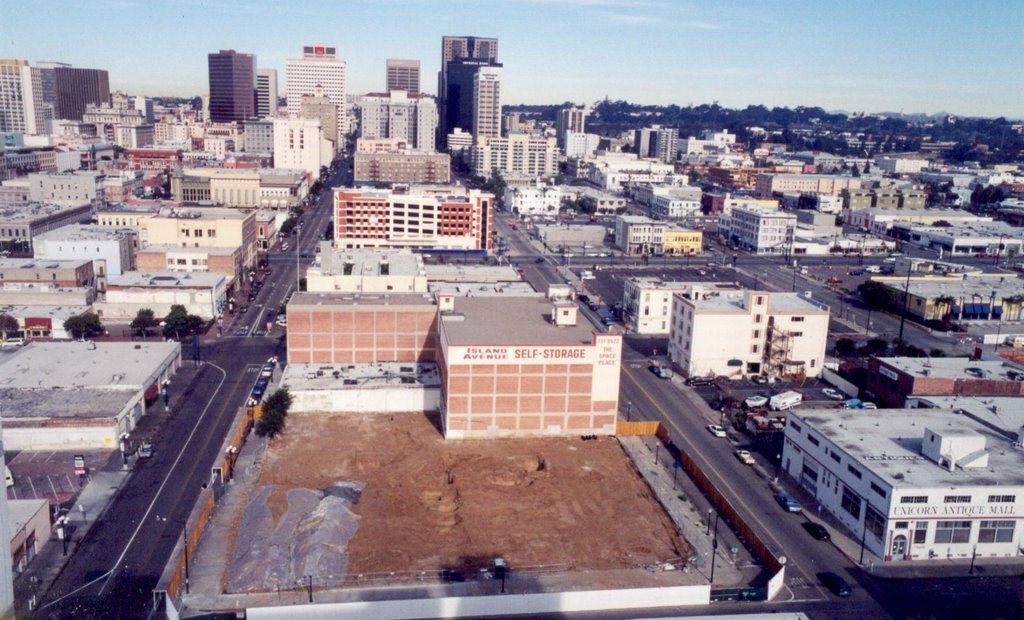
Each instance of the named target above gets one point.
<point>873,56</point>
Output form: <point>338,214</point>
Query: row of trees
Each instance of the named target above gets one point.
<point>177,324</point>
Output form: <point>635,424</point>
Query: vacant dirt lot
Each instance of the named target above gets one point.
<point>430,504</point>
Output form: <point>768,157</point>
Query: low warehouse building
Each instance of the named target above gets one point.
<point>80,395</point>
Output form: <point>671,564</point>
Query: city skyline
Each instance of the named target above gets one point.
<point>872,57</point>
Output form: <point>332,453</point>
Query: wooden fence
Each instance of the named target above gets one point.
<point>637,428</point>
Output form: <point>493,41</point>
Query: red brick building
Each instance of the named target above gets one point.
<point>891,380</point>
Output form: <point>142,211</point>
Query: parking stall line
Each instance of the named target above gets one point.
<point>71,485</point>
<point>52,488</point>
<point>34,494</point>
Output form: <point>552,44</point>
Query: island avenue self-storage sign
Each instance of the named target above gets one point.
<point>520,354</point>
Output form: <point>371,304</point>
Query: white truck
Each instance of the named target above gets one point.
<point>785,400</point>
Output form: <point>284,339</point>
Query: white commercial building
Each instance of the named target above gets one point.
<point>675,202</point>
<point>112,250</point>
<point>516,154</point>
<point>68,188</point>
<point>895,165</point>
<point>266,92</point>
<point>411,119</point>
<point>203,294</point>
<point>745,332</point>
<point>367,271</point>
<point>487,102</point>
<point>914,484</point>
<point>964,239</point>
<point>581,144</point>
<point>21,98</point>
<point>300,143</point>
<point>319,66</point>
<point>535,199</point>
<point>758,229</point>
<point>647,302</point>
<point>879,221</point>
<point>616,171</point>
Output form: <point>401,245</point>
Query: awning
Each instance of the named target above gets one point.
<point>151,392</point>
<point>955,309</point>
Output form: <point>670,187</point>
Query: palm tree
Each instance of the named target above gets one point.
<point>1013,301</point>
<point>944,303</point>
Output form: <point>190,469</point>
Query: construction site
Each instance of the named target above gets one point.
<point>348,500</point>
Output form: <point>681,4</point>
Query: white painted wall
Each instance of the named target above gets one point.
<point>367,400</point>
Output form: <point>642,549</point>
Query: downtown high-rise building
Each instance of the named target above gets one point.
<point>461,56</point>
<point>403,75</point>
<point>76,88</point>
<point>569,120</point>
<point>21,98</point>
<point>411,119</point>
<point>319,66</point>
<point>487,102</point>
<point>232,86</point>
<point>266,92</point>
<point>462,96</point>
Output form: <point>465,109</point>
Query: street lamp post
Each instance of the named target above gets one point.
<point>714,551</point>
<point>707,532</point>
<point>906,300</point>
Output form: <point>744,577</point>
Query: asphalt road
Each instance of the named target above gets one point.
<point>114,569</point>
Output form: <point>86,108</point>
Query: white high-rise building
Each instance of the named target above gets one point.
<point>409,118</point>
<point>266,92</point>
<point>487,102</point>
<point>299,143</point>
<point>319,66</point>
<point>21,98</point>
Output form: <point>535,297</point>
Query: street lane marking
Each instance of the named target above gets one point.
<point>78,589</point>
<point>765,530</point>
<point>145,518</point>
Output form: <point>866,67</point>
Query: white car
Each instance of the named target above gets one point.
<point>757,400</point>
<point>868,406</point>
<point>12,342</point>
<point>716,430</point>
<point>745,457</point>
<point>833,394</point>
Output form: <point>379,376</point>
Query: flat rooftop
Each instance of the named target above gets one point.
<point>955,368</point>
<point>910,214</point>
<point>359,376</point>
<point>362,301</point>
<point>33,211</point>
<point>471,273</point>
<point>85,232</point>
<point>511,320</point>
<point>167,279</point>
<point>1004,285</point>
<point>77,364</point>
<point>177,249</point>
<point>794,303</point>
<point>88,403</point>
<point>41,263</point>
<point>887,442</point>
<point>368,263</point>
<point>1001,412</point>
<point>484,289</point>
<point>59,313</point>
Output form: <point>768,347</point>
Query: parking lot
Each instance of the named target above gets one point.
<point>739,390</point>
<point>50,474</point>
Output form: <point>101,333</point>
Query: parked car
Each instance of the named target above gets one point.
<point>785,400</point>
<point>835,583</point>
<point>817,530</point>
<point>833,394</point>
<point>868,406</point>
<point>716,430</point>
<point>660,371</point>
<point>745,457</point>
<point>788,503</point>
<point>700,381</point>
<point>146,450</point>
<point>12,343</point>
<point>757,400</point>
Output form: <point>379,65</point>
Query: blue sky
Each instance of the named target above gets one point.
<point>911,55</point>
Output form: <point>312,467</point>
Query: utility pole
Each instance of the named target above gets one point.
<point>906,300</point>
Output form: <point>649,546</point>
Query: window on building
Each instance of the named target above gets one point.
<point>835,457</point>
<point>996,532</point>
<point>1002,499</point>
<point>853,470</point>
<point>877,489</point>
<point>952,531</point>
<point>850,502</point>
<point>754,348</point>
<point>797,319</point>
<point>796,427</point>
<point>914,499</point>
<point>184,232</point>
<point>957,499</point>
<point>757,333</point>
<point>920,532</point>
<point>757,318</point>
<point>814,440</point>
<point>874,522</point>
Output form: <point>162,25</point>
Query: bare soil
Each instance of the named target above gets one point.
<point>431,504</point>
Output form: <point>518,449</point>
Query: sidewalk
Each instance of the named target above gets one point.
<point>690,515</point>
<point>91,504</point>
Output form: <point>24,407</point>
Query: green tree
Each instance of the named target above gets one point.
<point>8,325</point>
<point>944,303</point>
<point>179,323</point>
<point>83,325</point>
<point>845,347</point>
<point>876,346</point>
<point>144,321</point>
<point>275,410</point>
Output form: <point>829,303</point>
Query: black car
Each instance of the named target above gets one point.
<point>835,583</point>
<point>539,261</point>
<point>583,298</point>
<point>817,530</point>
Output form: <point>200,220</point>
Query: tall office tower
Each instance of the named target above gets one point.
<point>411,119</point>
<point>232,86</point>
<point>657,142</point>
<point>460,99</point>
<point>144,105</point>
<point>487,102</point>
<point>570,120</point>
<point>48,72</point>
<point>77,88</point>
<point>21,98</point>
<point>459,49</point>
<point>266,92</point>
<point>319,66</point>
<point>403,75</point>
<point>318,106</point>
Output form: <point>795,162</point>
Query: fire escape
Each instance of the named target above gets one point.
<point>778,353</point>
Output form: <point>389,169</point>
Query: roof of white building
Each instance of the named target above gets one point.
<point>485,321</point>
<point>78,364</point>
<point>794,303</point>
<point>56,313</point>
<point>33,211</point>
<point>1002,412</point>
<point>453,272</point>
<point>86,232</point>
<point>167,279</point>
<point>369,263</point>
<point>955,368</point>
<point>484,289</point>
<point>1004,285</point>
<point>888,443</point>
<point>362,301</point>
<point>42,263</point>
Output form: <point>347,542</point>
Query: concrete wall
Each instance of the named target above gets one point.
<point>62,437</point>
<point>497,605</point>
<point>385,400</point>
